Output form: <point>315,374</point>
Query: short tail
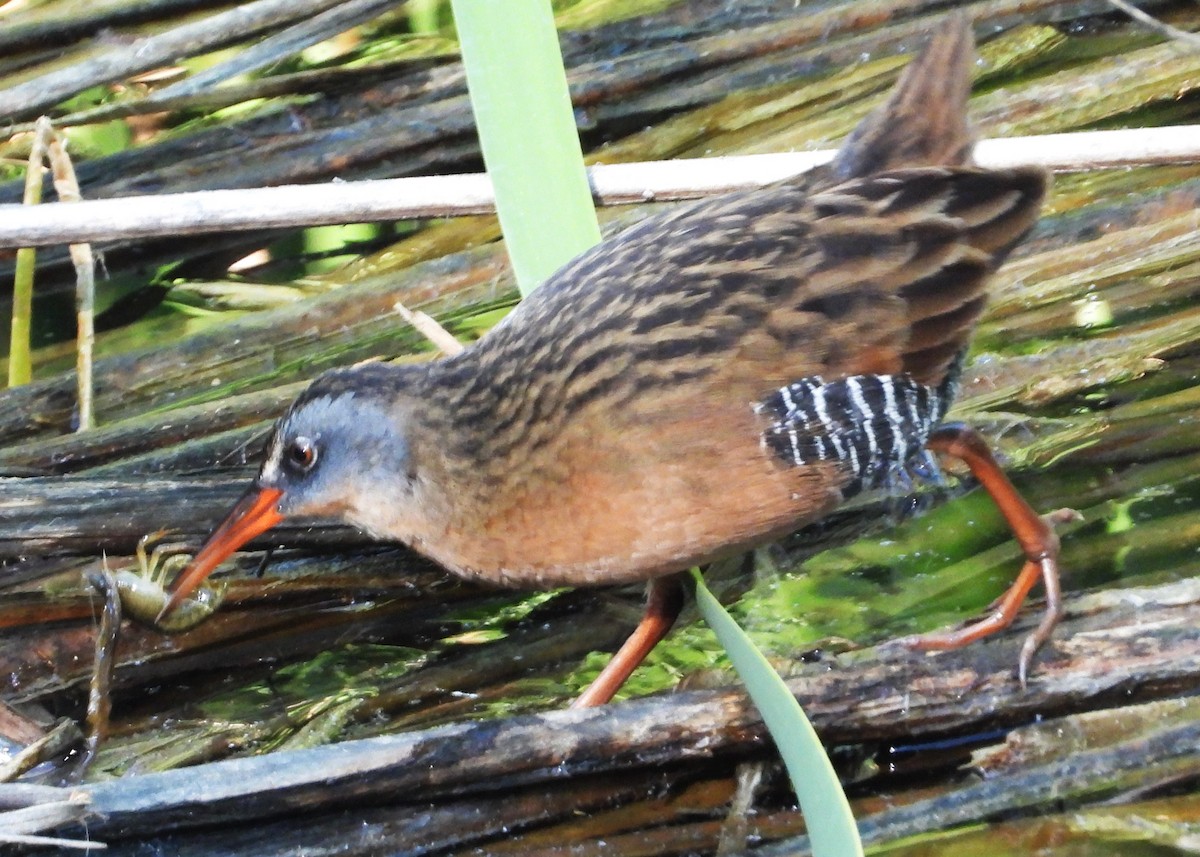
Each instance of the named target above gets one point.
<point>924,121</point>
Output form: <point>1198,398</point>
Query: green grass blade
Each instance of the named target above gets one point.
<point>527,130</point>
<point>831,827</point>
<point>531,149</point>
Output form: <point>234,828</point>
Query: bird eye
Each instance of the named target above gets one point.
<point>302,454</point>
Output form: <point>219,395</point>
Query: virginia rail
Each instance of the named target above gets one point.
<point>707,380</point>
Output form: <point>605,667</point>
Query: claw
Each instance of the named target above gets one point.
<point>1038,540</point>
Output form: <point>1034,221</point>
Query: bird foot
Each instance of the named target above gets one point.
<point>1003,611</point>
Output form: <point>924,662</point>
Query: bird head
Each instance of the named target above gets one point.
<point>341,452</point>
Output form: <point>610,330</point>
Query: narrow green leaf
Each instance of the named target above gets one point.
<point>831,827</point>
<point>531,149</point>
<point>527,130</point>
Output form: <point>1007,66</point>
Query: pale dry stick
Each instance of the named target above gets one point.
<point>67,814</point>
<point>67,186</point>
<point>1161,27</point>
<point>50,842</point>
<point>426,325</point>
<point>290,206</point>
<point>20,355</point>
<point>47,808</point>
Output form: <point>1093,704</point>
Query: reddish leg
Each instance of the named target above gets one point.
<point>664,600</point>
<point>1035,535</point>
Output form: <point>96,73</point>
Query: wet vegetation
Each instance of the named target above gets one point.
<point>370,702</point>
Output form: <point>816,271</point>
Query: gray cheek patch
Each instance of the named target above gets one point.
<point>311,418</point>
<point>351,433</point>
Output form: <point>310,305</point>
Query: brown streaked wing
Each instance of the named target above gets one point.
<point>990,210</point>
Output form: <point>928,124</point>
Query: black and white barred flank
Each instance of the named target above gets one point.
<point>874,425</point>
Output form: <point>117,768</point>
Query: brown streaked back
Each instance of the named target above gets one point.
<point>724,301</point>
<point>626,386</point>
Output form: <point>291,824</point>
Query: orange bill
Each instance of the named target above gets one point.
<point>253,515</point>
